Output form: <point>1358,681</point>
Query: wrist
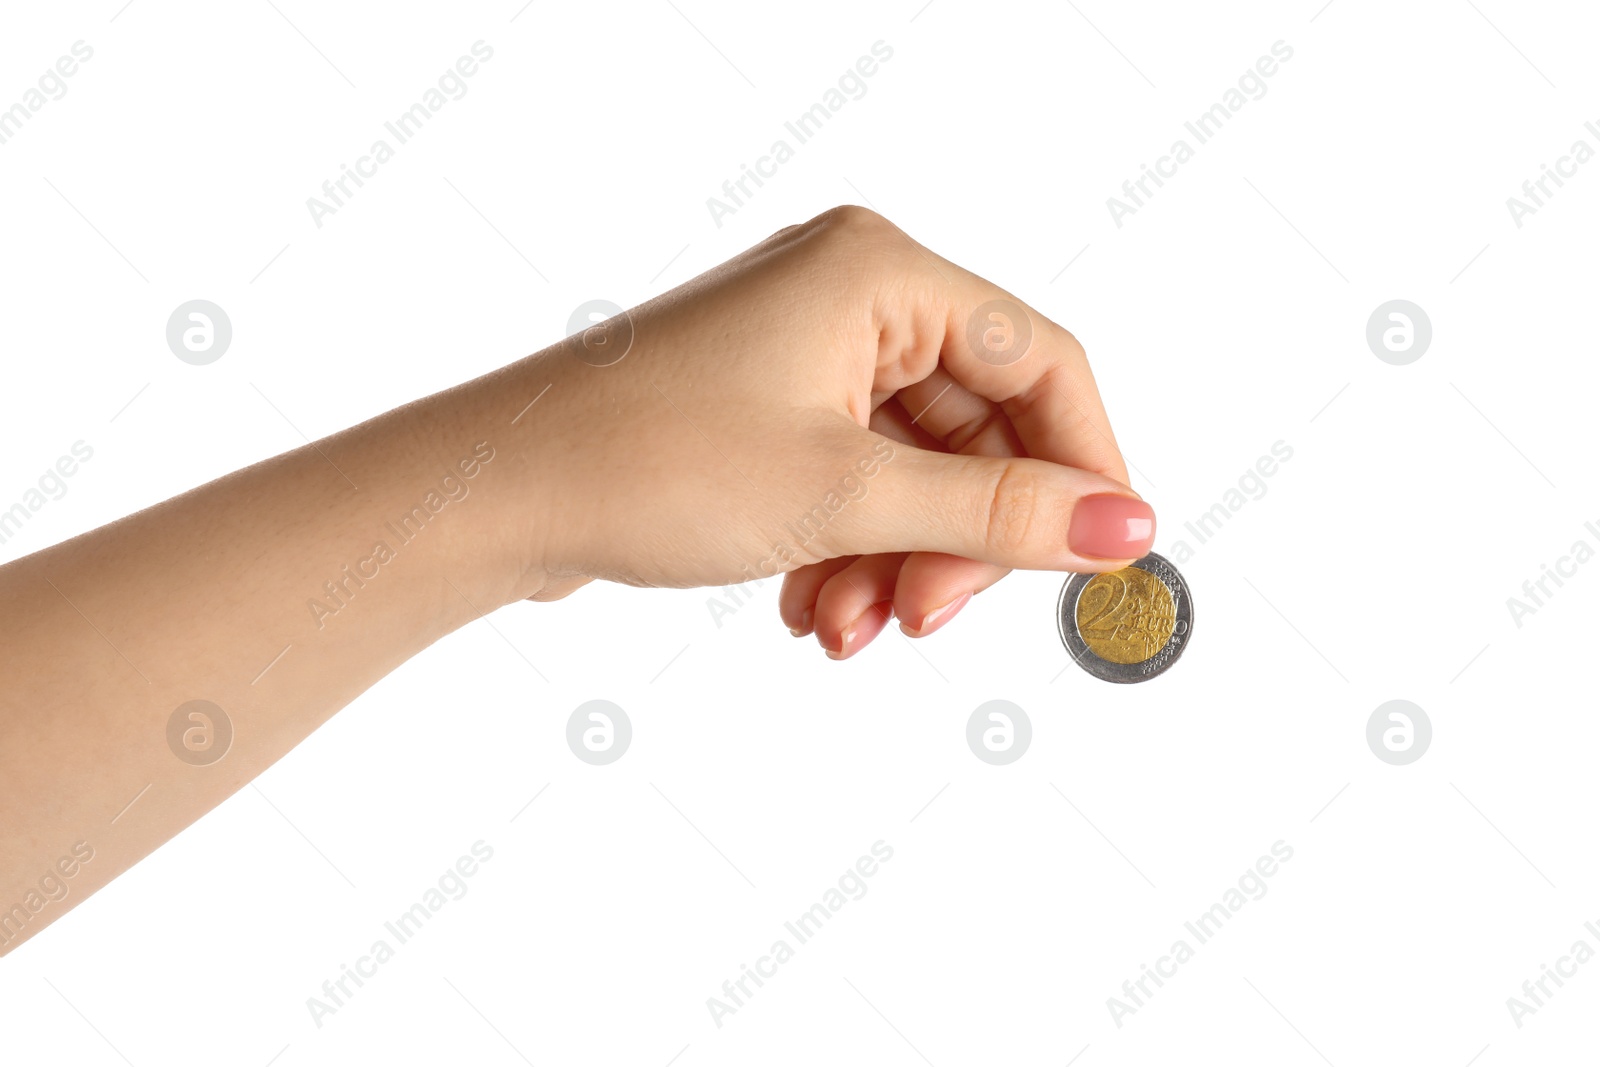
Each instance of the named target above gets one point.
<point>487,440</point>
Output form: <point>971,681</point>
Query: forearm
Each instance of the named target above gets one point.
<point>278,593</point>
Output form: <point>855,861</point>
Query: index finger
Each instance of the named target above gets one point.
<point>1000,348</point>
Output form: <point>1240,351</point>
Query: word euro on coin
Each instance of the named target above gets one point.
<point>1128,625</point>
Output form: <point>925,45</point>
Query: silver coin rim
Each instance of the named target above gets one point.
<point>1078,648</point>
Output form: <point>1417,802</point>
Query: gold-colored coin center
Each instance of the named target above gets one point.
<point>1126,616</point>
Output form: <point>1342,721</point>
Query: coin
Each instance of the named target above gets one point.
<point>1127,625</point>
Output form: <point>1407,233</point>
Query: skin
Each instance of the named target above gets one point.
<point>746,396</point>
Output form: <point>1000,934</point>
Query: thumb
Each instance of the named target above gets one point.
<point>1013,512</point>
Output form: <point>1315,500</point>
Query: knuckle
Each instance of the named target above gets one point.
<point>855,249</point>
<point>1071,347</point>
<point>1014,509</point>
<point>853,220</point>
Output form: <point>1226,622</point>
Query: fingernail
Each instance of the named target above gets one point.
<point>1108,526</point>
<point>937,617</point>
<point>865,627</point>
<point>805,625</point>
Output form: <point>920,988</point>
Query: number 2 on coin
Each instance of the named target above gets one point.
<point>1115,602</point>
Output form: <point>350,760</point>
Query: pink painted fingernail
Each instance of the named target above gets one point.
<point>866,626</point>
<point>1108,526</point>
<point>805,625</point>
<point>937,617</point>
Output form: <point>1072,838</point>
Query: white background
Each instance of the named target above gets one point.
<point>1226,315</point>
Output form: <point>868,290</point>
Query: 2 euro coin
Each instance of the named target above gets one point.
<point>1128,625</point>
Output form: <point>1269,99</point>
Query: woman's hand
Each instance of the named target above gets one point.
<point>837,404</point>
